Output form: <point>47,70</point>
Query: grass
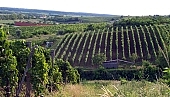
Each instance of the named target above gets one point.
<point>110,88</point>
<point>114,89</point>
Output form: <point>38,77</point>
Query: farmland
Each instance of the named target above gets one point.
<point>117,42</point>
<point>71,58</point>
<point>61,29</point>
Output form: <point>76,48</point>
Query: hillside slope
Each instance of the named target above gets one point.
<point>117,42</point>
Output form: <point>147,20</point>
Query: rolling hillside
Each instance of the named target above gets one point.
<point>51,12</point>
<point>118,42</point>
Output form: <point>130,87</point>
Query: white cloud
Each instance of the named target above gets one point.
<point>116,7</point>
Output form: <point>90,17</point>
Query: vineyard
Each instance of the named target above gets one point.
<point>116,43</point>
<point>77,56</point>
<point>78,51</point>
<point>30,31</point>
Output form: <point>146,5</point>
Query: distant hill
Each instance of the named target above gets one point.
<point>51,12</point>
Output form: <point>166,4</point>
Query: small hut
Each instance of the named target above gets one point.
<point>115,63</point>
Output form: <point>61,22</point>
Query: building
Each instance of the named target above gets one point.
<point>49,44</point>
<point>115,63</point>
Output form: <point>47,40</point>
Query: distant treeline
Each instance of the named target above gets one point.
<point>144,20</point>
<point>63,19</point>
<point>14,16</point>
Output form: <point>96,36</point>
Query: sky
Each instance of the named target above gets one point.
<point>114,7</point>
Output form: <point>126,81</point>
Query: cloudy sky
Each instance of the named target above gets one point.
<point>115,7</point>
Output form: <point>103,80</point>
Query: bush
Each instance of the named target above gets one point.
<point>118,74</point>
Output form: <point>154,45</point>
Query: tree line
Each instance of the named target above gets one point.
<point>144,20</point>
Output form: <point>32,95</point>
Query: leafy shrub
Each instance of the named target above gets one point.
<point>118,74</point>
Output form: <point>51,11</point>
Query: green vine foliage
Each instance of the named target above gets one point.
<point>39,71</point>
<point>13,59</point>
<point>8,64</point>
<point>149,71</point>
<point>98,59</point>
<point>21,52</point>
<point>167,76</point>
<point>69,74</point>
<point>54,76</point>
<point>166,71</point>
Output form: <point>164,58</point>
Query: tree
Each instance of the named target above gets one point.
<point>8,63</point>
<point>149,71</point>
<point>69,74</point>
<point>98,59</point>
<point>90,27</point>
<point>133,57</point>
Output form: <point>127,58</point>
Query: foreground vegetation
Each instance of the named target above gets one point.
<point>21,62</point>
<point>111,88</point>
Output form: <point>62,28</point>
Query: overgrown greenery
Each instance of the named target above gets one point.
<point>8,65</point>
<point>147,73</point>
<point>14,56</point>
<point>69,74</point>
<point>98,59</point>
